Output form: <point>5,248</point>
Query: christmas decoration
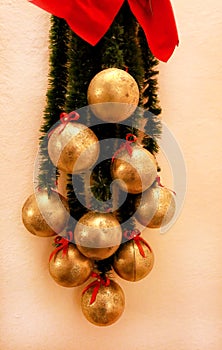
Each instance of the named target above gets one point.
<point>134,259</point>
<point>157,206</point>
<point>98,235</point>
<point>116,87</point>
<point>72,146</point>
<point>45,213</point>
<point>134,166</point>
<point>155,17</point>
<point>67,266</point>
<point>102,301</point>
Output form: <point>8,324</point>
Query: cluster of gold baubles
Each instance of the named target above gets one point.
<point>98,236</point>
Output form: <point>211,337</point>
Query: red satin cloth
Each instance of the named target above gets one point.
<point>90,19</point>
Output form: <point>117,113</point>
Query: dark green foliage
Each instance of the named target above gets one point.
<point>109,49</point>
<point>101,185</point>
<point>131,50</point>
<point>104,266</point>
<point>150,95</point>
<point>56,95</point>
<point>77,206</point>
<point>83,65</point>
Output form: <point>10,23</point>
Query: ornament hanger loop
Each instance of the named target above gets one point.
<point>68,117</point>
<point>96,285</point>
<point>128,234</point>
<point>62,243</point>
<point>135,235</point>
<point>131,138</point>
<point>65,118</point>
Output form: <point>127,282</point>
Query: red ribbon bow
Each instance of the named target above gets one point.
<point>62,243</point>
<point>135,235</point>
<point>96,284</point>
<point>90,19</point>
<point>130,138</point>
<point>65,118</point>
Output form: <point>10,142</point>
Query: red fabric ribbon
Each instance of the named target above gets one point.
<point>62,243</point>
<point>90,19</point>
<point>159,184</point>
<point>135,235</point>
<point>130,138</point>
<point>96,284</point>
<point>65,118</point>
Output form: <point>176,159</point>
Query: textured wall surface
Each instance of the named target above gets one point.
<point>179,306</point>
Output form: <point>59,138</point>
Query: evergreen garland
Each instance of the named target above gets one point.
<point>83,65</point>
<point>56,95</point>
<point>150,96</point>
<point>131,49</point>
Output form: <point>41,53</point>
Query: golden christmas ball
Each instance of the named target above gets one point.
<point>130,264</point>
<point>156,207</point>
<point>136,172</point>
<point>98,235</point>
<point>74,149</point>
<point>116,87</point>
<point>107,307</point>
<point>45,214</point>
<point>70,269</point>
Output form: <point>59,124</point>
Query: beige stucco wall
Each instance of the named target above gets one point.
<point>179,306</point>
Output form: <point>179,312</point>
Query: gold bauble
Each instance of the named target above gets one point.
<point>116,87</point>
<point>108,306</point>
<point>129,264</point>
<point>156,207</point>
<point>136,172</point>
<point>45,214</point>
<point>98,235</point>
<point>71,269</point>
<point>74,149</point>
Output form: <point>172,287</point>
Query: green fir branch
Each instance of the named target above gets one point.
<point>83,66</point>
<point>55,97</point>
<point>150,96</point>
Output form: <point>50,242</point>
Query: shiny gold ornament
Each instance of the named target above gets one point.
<point>98,235</point>
<point>117,87</point>
<point>107,307</point>
<point>74,149</point>
<point>45,215</point>
<point>129,264</point>
<point>136,172</point>
<point>156,207</point>
<point>70,269</point>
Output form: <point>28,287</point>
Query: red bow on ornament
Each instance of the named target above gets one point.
<point>96,284</point>
<point>135,235</point>
<point>130,138</point>
<point>65,118</point>
<point>90,19</point>
<point>62,243</point>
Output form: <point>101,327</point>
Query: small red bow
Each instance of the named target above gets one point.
<point>65,118</point>
<point>130,138</point>
<point>135,235</point>
<point>61,243</point>
<point>100,281</point>
<point>159,184</point>
<point>90,19</point>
